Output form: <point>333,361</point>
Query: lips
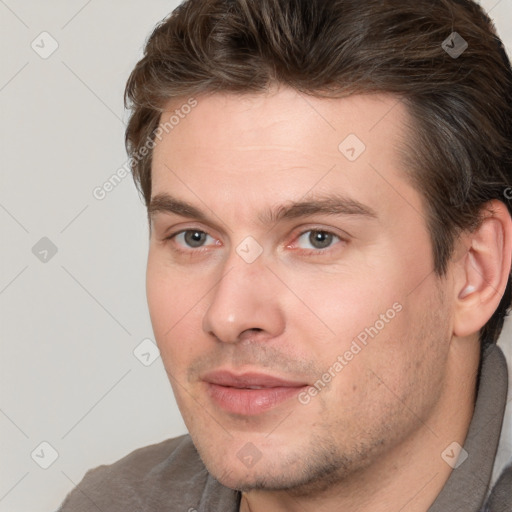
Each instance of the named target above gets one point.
<point>249,393</point>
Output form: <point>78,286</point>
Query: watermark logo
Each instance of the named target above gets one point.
<point>249,455</point>
<point>44,250</point>
<point>44,455</point>
<point>249,249</point>
<point>352,147</point>
<point>44,45</point>
<point>146,352</point>
<point>454,455</point>
<point>455,45</point>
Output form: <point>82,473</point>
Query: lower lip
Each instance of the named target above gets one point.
<point>250,402</point>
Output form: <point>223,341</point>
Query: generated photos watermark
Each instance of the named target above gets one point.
<point>100,192</point>
<point>358,344</point>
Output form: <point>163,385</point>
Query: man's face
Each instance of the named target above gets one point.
<point>302,342</point>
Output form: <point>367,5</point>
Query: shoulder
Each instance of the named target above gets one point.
<point>169,473</point>
<point>500,499</point>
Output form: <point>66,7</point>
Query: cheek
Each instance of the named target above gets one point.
<point>361,331</point>
<point>176,307</point>
<point>405,360</point>
<point>391,379</point>
<point>335,308</point>
<point>170,292</point>
<point>159,298</point>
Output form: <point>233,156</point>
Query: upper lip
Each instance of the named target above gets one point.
<point>247,380</point>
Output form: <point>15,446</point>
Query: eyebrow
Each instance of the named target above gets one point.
<point>324,205</point>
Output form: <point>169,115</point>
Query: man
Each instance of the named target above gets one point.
<point>329,261</point>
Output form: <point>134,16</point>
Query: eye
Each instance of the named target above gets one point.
<point>316,239</point>
<point>192,238</point>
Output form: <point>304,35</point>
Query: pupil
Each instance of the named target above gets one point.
<point>320,239</point>
<point>195,238</point>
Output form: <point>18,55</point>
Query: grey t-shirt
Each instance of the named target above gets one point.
<point>170,476</point>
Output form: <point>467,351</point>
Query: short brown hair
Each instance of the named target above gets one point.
<point>460,148</point>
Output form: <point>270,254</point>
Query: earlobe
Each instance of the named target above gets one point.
<point>484,270</point>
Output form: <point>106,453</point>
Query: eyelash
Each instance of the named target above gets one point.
<point>309,252</point>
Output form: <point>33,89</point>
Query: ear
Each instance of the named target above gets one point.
<point>483,270</point>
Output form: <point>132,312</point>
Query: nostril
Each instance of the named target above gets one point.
<point>253,329</point>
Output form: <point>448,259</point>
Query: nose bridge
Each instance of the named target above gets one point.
<point>243,299</point>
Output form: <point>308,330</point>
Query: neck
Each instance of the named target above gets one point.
<point>412,474</point>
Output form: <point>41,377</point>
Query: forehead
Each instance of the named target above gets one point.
<point>262,149</point>
<point>282,116</point>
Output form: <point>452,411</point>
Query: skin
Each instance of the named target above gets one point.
<point>372,439</point>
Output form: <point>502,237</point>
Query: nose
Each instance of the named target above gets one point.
<point>244,302</point>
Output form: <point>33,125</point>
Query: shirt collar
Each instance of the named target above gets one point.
<point>468,484</point>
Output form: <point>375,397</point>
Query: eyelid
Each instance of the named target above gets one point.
<point>342,235</point>
<point>174,234</point>
<point>176,230</point>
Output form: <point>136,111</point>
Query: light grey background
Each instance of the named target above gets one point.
<point>69,325</point>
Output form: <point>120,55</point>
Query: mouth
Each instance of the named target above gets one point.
<point>249,394</point>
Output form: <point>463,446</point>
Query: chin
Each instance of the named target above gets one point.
<point>299,485</point>
<point>293,472</point>
<point>262,480</point>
